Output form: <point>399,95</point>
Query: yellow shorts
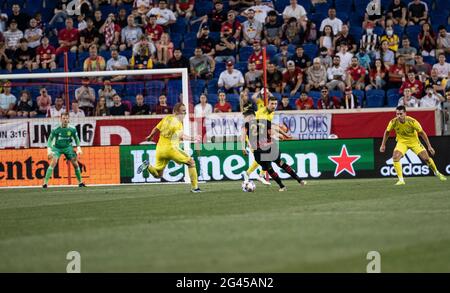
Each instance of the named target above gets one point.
<point>166,154</point>
<point>416,147</point>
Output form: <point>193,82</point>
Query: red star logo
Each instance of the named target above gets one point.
<point>344,162</point>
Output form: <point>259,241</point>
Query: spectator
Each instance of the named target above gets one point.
<point>336,75</point>
<point>222,105</point>
<point>81,22</point>
<point>184,8</point>
<point>345,37</point>
<point>443,41</point>
<point>292,79</point>
<point>203,109</point>
<point>333,21</point>
<point>281,59</point>
<point>291,32</point>
<point>300,59</point>
<point>349,101</point>
<point>142,60</point>
<point>232,26</point>
<point>363,58</point>
<point>44,102</point>
<point>217,16</point>
<point>7,102</point>
<point>423,69</point>
<point>407,51</point>
<point>164,50</point>
<point>284,105</point>
<point>261,10</point>
<point>317,76</point>
<point>408,100</point>
<point>57,109</point>
<point>24,57</point>
<point>391,38</point>
<point>94,62</point>
<point>178,60</point>
<point>111,32</point>
<point>327,39</point>
<point>68,38</point>
<point>386,54</point>
<point>165,16</point>
<point>33,34</point>
<point>397,73</point>
<point>76,112</point>
<point>117,62</point>
<point>12,36</point>
<point>370,41</point>
<point>442,67</point>
<point>274,78</point>
<point>26,107</point>
<point>431,99</point>
<point>89,36</point>
<point>327,102</point>
<point>253,78</point>
<point>130,34</point>
<point>308,32</point>
<point>435,82</point>
<point>226,47</point>
<point>143,6</point>
<point>85,95</point>
<point>257,55</point>
<point>272,29</point>
<point>398,12</point>
<point>418,12</point>
<point>144,42</point>
<point>246,105</point>
<point>21,18</point>
<point>374,13</point>
<point>377,76</point>
<point>202,66</point>
<point>205,42</point>
<point>5,61</point>
<point>294,10</point>
<point>45,55</point>
<point>122,19</point>
<point>427,40</point>
<point>251,30</point>
<point>98,19</point>
<point>154,30</point>
<point>325,58</point>
<point>140,108</point>
<point>356,75</point>
<point>304,102</point>
<point>413,84</point>
<point>60,12</point>
<point>101,109</point>
<point>162,107</point>
<point>231,80</point>
<point>118,108</point>
<point>107,92</point>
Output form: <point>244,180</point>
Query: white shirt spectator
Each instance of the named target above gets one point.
<point>145,3</point>
<point>121,61</point>
<point>12,38</point>
<point>335,23</point>
<point>346,59</point>
<point>411,103</point>
<point>33,32</point>
<point>297,12</point>
<point>335,71</point>
<point>252,30</point>
<point>430,101</point>
<point>260,12</point>
<point>6,100</point>
<point>230,79</point>
<point>83,96</point>
<point>131,34</point>
<point>56,113</point>
<point>163,15</point>
<point>443,70</point>
<point>79,114</point>
<point>200,111</point>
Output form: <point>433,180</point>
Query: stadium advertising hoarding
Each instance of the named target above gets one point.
<point>99,165</point>
<point>16,132</point>
<point>311,159</point>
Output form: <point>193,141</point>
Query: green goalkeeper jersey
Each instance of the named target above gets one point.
<point>62,137</point>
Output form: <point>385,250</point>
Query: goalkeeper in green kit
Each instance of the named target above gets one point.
<point>60,142</point>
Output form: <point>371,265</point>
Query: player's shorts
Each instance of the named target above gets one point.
<point>265,157</point>
<point>68,152</point>
<point>416,147</point>
<point>166,154</point>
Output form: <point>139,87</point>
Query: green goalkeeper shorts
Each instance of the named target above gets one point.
<point>68,152</point>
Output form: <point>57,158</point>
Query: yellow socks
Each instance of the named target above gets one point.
<point>194,177</point>
<point>252,168</point>
<point>398,169</point>
<point>432,166</point>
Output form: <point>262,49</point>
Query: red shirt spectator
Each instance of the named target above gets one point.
<point>184,4</point>
<point>304,102</point>
<point>356,72</point>
<point>225,107</point>
<point>45,53</point>
<point>291,77</point>
<point>67,37</point>
<point>154,30</point>
<point>412,83</point>
<point>257,56</point>
<point>396,69</point>
<point>329,103</point>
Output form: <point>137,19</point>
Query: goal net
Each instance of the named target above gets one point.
<point>113,112</point>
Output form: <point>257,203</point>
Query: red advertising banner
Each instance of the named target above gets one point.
<point>123,131</point>
<point>373,124</point>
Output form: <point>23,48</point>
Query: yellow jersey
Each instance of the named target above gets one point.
<point>260,103</point>
<point>405,132</point>
<point>264,114</point>
<point>170,129</point>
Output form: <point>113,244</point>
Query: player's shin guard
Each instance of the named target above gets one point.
<point>275,177</point>
<point>398,169</point>
<point>48,175</point>
<point>432,166</point>
<point>252,168</point>
<point>194,177</point>
<point>78,174</point>
<point>291,172</point>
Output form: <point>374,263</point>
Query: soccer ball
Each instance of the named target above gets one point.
<point>248,186</point>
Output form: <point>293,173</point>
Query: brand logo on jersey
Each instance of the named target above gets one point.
<point>69,133</point>
<point>344,162</point>
<point>411,165</point>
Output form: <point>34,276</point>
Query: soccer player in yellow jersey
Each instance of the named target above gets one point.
<point>408,130</point>
<point>170,130</point>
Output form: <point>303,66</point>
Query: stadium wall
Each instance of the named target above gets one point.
<point>313,159</point>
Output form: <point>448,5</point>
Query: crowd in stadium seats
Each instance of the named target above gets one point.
<point>322,54</point>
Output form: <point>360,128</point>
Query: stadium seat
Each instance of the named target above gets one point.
<point>180,26</point>
<point>281,4</point>
<point>342,16</point>
<point>375,98</point>
<point>311,50</point>
<point>212,86</point>
<point>212,99</point>
<point>190,39</point>
<point>315,95</point>
<point>154,87</point>
<point>429,59</point>
<point>151,100</point>
<point>356,32</point>
<point>203,7</point>
<point>305,3</point>
<point>198,86</point>
<point>337,94</point>
<point>393,96</point>
<point>176,39</point>
<point>322,8</point>
<point>360,95</point>
<point>234,101</point>
<point>442,4</point>
<point>439,17</point>
<point>344,5</point>
<point>242,67</point>
<point>245,52</point>
<point>271,51</point>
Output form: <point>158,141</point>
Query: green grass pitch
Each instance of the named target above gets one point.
<point>326,226</point>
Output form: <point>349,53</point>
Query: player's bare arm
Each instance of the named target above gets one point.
<point>424,136</point>
<point>383,143</point>
<point>152,134</point>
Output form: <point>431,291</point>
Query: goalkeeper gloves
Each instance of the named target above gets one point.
<point>49,152</point>
<point>79,151</point>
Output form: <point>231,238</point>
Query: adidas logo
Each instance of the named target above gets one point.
<point>411,165</point>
